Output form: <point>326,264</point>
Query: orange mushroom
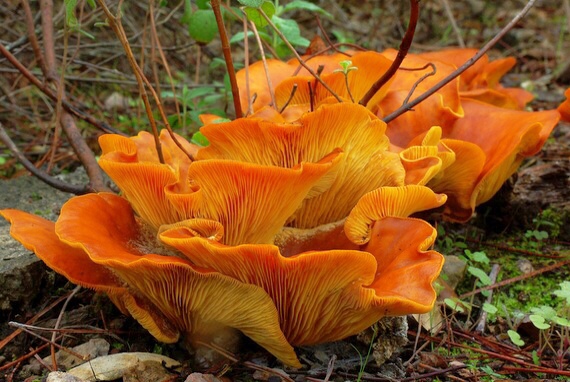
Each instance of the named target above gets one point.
<point>252,201</point>
<point>564,108</point>
<point>365,165</point>
<point>350,289</point>
<point>482,80</point>
<point>489,144</point>
<point>98,243</point>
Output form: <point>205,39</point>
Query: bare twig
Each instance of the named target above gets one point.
<point>402,52</point>
<point>420,80</point>
<point>299,58</point>
<point>227,56</point>
<point>68,125</point>
<point>456,73</point>
<point>293,91</point>
<point>32,36</point>
<point>117,27</point>
<point>548,268</point>
<point>73,353</point>
<point>280,374</point>
<point>41,175</point>
<point>58,322</point>
<point>246,66</point>
<point>53,96</point>
<point>482,323</point>
<point>326,36</point>
<point>265,68</point>
<point>453,23</point>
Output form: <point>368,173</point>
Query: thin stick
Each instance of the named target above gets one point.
<point>246,67</point>
<point>299,58</point>
<point>406,107</point>
<point>548,268</point>
<point>227,56</point>
<point>454,25</point>
<point>117,27</point>
<point>326,36</point>
<point>53,96</point>
<point>265,67</point>
<point>73,353</point>
<point>330,368</point>
<point>402,52</point>
<point>44,177</point>
<point>32,36</point>
<point>58,322</point>
<point>480,328</point>
<point>269,370</point>
<point>293,91</point>
<point>67,122</point>
<point>8,365</point>
<point>421,79</point>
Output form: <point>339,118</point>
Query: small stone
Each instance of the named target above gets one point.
<point>199,377</point>
<point>94,348</point>
<point>454,270</point>
<point>59,376</point>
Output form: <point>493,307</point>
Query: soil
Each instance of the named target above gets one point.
<point>100,82</point>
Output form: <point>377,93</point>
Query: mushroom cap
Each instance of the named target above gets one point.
<point>481,81</point>
<point>168,295</point>
<point>564,108</point>
<point>489,144</point>
<point>251,200</point>
<point>366,163</point>
<point>441,109</point>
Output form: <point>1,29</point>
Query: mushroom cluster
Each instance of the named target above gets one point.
<point>293,225</point>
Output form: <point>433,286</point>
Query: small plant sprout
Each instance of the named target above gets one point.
<point>346,67</point>
<point>515,337</point>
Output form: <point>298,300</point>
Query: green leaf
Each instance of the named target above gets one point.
<point>535,358</point>
<point>564,291</point>
<point>255,16</point>
<point>291,30</point>
<point>547,312</point>
<point>538,321</point>
<point>490,308</point>
<point>562,321</point>
<point>92,4</point>
<point>454,305</point>
<point>252,3</point>
<point>203,4</point>
<point>305,5</point>
<point>199,139</point>
<point>480,274</point>
<point>480,257</point>
<point>515,338</point>
<point>202,26</point>
<point>70,18</point>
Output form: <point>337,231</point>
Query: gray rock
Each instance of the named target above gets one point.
<point>94,348</point>
<point>454,268</point>
<point>58,376</point>
<point>21,272</point>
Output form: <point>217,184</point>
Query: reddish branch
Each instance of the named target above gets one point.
<point>408,106</point>
<point>227,57</point>
<point>49,180</point>
<point>402,52</point>
<point>548,268</point>
<point>86,156</point>
<point>44,88</point>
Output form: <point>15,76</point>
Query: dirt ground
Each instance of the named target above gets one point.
<point>100,82</point>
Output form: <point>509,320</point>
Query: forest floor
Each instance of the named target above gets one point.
<point>523,232</point>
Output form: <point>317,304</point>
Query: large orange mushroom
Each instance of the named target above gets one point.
<point>193,247</point>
